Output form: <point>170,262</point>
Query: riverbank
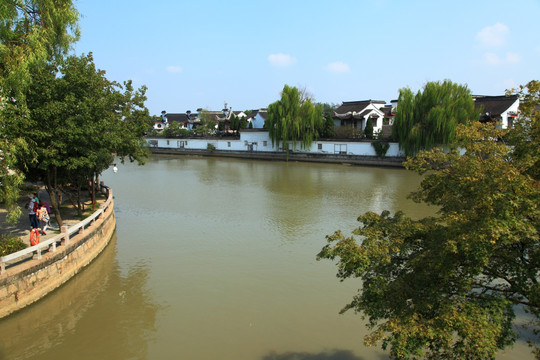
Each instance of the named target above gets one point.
<point>22,229</point>
<point>30,274</point>
<point>293,156</point>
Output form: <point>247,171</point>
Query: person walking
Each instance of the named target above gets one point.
<point>43,217</point>
<point>32,207</point>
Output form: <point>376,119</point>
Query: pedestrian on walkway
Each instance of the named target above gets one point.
<point>43,217</point>
<point>32,206</point>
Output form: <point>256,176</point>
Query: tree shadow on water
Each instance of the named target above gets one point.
<point>327,355</point>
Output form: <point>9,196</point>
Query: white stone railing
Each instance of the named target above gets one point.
<point>61,239</point>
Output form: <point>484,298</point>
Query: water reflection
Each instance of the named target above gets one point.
<point>327,355</point>
<point>98,306</point>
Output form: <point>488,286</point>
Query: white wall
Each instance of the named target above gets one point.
<point>514,109</point>
<point>260,141</point>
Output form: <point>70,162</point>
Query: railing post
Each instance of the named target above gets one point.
<point>81,230</point>
<point>52,248</point>
<point>64,230</point>
<point>38,252</point>
<point>2,267</point>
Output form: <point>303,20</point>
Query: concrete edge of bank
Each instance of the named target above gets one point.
<point>293,156</point>
<point>31,280</point>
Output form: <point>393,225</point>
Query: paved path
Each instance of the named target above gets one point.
<point>22,227</point>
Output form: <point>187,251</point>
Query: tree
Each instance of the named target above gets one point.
<point>78,121</point>
<point>238,123</point>
<point>327,130</point>
<point>207,125</point>
<point>31,32</point>
<point>447,286</point>
<point>294,119</point>
<point>368,130</point>
<point>430,118</point>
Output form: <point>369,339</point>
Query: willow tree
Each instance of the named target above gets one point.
<point>430,117</point>
<point>31,32</point>
<point>294,119</point>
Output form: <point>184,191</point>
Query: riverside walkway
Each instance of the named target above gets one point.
<point>22,227</point>
<point>30,274</point>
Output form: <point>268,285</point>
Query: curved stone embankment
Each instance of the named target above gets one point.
<point>30,280</point>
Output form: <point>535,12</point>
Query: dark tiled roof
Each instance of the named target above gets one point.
<point>356,106</point>
<point>261,112</point>
<point>177,117</point>
<point>494,105</point>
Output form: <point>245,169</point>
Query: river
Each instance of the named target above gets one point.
<point>216,259</point>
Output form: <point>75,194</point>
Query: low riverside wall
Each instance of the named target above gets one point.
<point>256,144</point>
<point>293,156</point>
<point>29,275</point>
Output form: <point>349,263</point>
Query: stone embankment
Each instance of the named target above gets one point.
<point>30,274</point>
<point>281,156</point>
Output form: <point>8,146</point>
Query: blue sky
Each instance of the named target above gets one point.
<point>200,54</point>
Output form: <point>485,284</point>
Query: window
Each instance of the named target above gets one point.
<point>228,144</point>
<point>265,143</point>
<point>374,122</point>
<point>167,142</point>
<point>319,146</point>
<point>340,149</point>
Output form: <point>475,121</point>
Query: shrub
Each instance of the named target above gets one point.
<point>368,130</point>
<point>10,243</point>
<point>381,147</point>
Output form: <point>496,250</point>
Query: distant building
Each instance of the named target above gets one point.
<point>354,114</point>
<point>498,109</point>
<point>257,118</point>
<point>187,120</point>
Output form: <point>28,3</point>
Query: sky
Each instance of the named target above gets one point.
<point>205,53</point>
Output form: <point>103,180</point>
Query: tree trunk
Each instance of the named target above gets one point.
<point>93,185</point>
<point>80,204</point>
<point>52,195</point>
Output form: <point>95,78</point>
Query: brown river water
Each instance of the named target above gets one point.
<point>215,259</point>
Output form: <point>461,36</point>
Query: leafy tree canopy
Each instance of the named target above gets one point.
<point>31,31</point>
<point>447,286</point>
<point>294,119</point>
<point>430,117</point>
<point>78,120</point>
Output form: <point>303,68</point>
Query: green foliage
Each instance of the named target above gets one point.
<point>430,118</point>
<point>368,130</point>
<point>238,123</point>
<point>31,31</point>
<point>78,121</point>
<point>381,147</point>
<point>446,286</point>
<point>328,130</point>
<point>174,130</point>
<point>207,125</point>
<point>10,243</point>
<point>526,137</point>
<point>294,119</point>
<point>210,147</point>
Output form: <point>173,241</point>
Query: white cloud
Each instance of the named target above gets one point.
<point>281,60</point>
<point>494,59</point>
<point>493,36</point>
<point>491,59</point>
<point>174,69</point>
<point>338,67</point>
<point>512,58</point>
